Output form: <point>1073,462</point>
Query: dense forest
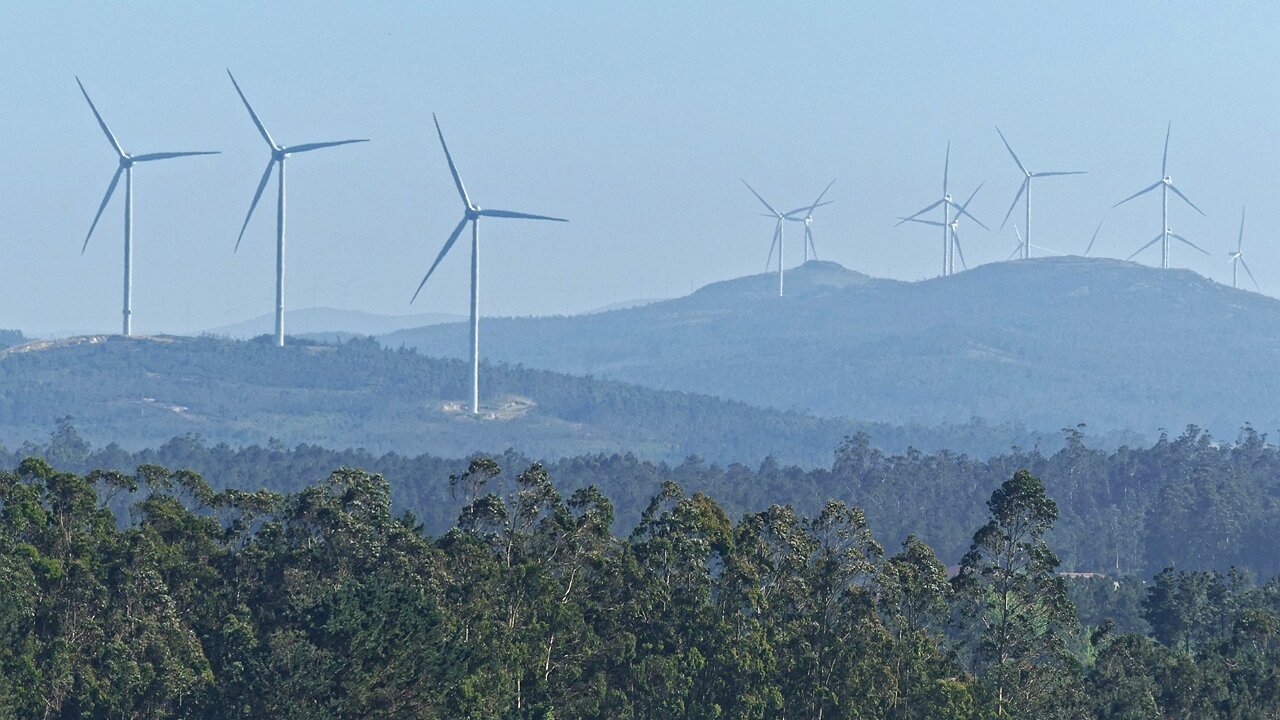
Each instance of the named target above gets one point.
<point>1190,501</point>
<point>323,603</point>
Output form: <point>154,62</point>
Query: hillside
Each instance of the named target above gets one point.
<point>142,391</point>
<point>1045,342</point>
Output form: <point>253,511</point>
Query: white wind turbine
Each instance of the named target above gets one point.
<point>126,167</point>
<point>471,214</point>
<point>948,259</point>
<point>1026,188</point>
<point>278,155</point>
<point>778,235</point>
<point>1165,183</point>
<point>807,219</point>
<point>953,227</point>
<point>1237,257</point>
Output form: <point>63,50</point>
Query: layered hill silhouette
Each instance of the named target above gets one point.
<point>140,392</point>
<point>1044,342</point>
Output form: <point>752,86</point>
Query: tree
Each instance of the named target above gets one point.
<point>1008,587</point>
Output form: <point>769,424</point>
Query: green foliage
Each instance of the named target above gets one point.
<point>322,603</point>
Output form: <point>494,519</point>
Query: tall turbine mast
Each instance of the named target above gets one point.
<point>1026,188</point>
<point>1165,183</point>
<point>279,154</point>
<point>471,214</point>
<point>126,167</point>
<point>947,204</point>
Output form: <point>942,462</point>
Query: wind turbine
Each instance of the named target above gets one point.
<point>953,227</point>
<point>778,236</point>
<point>1237,257</point>
<point>126,167</point>
<point>1026,188</point>
<point>278,155</point>
<point>1165,183</point>
<point>948,261</point>
<point>794,216</point>
<point>472,214</point>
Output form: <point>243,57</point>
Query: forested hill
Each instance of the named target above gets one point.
<point>1045,342</point>
<point>140,392</point>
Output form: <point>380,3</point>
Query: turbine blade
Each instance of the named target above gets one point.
<point>1012,154</point>
<point>753,192</point>
<point>1176,236</point>
<point>808,232</point>
<point>453,169</point>
<point>960,209</point>
<point>105,199</point>
<point>824,194</point>
<point>262,184</point>
<point>772,245</point>
<point>1251,277</point>
<point>166,155</point>
<point>1093,239</point>
<point>918,214</point>
<point>1240,239</point>
<point>1021,189</point>
<point>971,195</point>
<point>946,169</point>
<point>1051,174</point>
<point>443,251</point>
<point>1164,162</point>
<point>935,223</point>
<point>808,208</point>
<point>1178,192</point>
<point>1015,252</point>
<point>955,236</point>
<point>261,128</point>
<point>101,123</point>
<point>518,215</point>
<point>1144,190</point>
<point>306,147</point>
<point>1154,240</point>
<point>1048,250</point>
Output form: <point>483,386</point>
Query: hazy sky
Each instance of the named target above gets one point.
<point>633,120</point>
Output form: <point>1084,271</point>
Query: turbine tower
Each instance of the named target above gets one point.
<point>471,213</point>
<point>948,259</point>
<point>278,155</point>
<point>1165,183</point>
<point>807,219</point>
<point>1237,257</point>
<point>1026,188</point>
<point>126,167</point>
<point>953,227</point>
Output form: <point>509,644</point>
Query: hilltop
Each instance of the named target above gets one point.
<point>1044,342</point>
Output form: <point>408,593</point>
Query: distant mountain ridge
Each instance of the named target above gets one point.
<point>1044,342</point>
<point>330,321</point>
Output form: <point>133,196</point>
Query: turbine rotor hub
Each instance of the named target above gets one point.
<point>126,161</point>
<point>278,154</point>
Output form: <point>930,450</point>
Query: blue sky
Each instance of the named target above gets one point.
<point>633,120</point>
